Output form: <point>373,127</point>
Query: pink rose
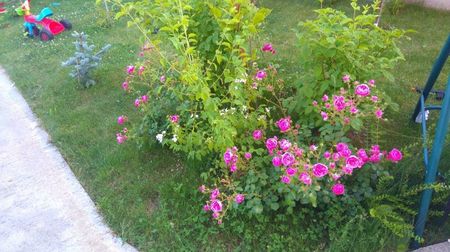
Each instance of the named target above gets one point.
<point>324,115</point>
<point>347,170</point>
<point>338,189</point>
<point>267,47</point>
<point>332,165</point>
<point>298,152</point>
<point>141,70</point>
<point>353,162</point>
<point>285,144</point>
<point>341,146</point>
<point>362,90</point>
<point>272,144</point>
<point>288,159</point>
<point>174,118</point>
<point>372,83</point>
<point>320,170</point>
<point>284,124</point>
<point>363,155</point>
<point>346,78</point>
<point>125,85</point>
<point>354,110</point>
<point>233,167</point>
<point>216,206</point>
<point>121,138</point>
<point>121,119</point>
<point>239,198</point>
<point>215,215</point>
<point>305,178</point>
<point>336,156</point>
<point>291,171</point>
<point>325,98</point>
<point>130,69</point>
<point>276,161</point>
<point>339,103</point>
<point>214,194</point>
<point>374,98</point>
<point>137,102</point>
<point>144,98</point>
<point>394,155</point>
<point>162,79</point>
<point>228,156</point>
<point>202,188</point>
<point>327,155</point>
<point>314,103</point>
<point>261,74</point>
<point>206,208</point>
<point>286,179</point>
<point>248,155</point>
<point>379,113</point>
<point>257,135</point>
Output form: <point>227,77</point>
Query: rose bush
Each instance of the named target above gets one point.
<point>204,89</point>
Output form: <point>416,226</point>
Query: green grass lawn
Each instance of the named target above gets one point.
<point>135,190</point>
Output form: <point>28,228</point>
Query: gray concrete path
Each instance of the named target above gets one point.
<point>440,247</point>
<point>42,205</point>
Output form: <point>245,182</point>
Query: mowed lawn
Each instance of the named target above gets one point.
<point>136,189</point>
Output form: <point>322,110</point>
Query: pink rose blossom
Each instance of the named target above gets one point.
<point>216,206</point>
<point>332,165</point>
<point>363,155</point>
<point>353,162</point>
<point>291,171</point>
<point>341,146</point>
<point>174,118</point>
<point>162,79</point>
<point>354,110</point>
<point>122,119</point>
<point>206,208</point>
<point>362,90</point>
<point>228,156</point>
<point>239,198</point>
<point>215,215</point>
<point>374,98</point>
<point>125,85</point>
<point>233,167</point>
<point>325,98</point>
<point>130,69</point>
<point>324,115</point>
<point>379,113</point>
<point>276,161</point>
<point>272,144</point>
<point>144,98</point>
<point>346,78</point>
<point>214,194</point>
<point>338,189</point>
<point>248,155</point>
<point>305,178</point>
<point>336,156</point>
<point>286,179</point>
<point>267,47</point>
<point>327,155</point>
<point>141,70</point>
<point>284,124</point>
<point>339,103</point>
<point>137,102</point>
<point>327,105</point>
<point>298,152</point>
<point>372,83</point>
<point>257,135</point>
<point>394,155</point>
<point>287,159</point>
<point>314,103</point>
<point>261,74</point>
<point>347,170</point>
<point>202,188</point>
<point>320,170</point>
<point>121,138</point>
<point>285,144</point>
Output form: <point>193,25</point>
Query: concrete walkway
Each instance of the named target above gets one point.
<point>42,205</point>
<point>440,247</point>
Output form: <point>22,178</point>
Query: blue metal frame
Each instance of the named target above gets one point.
<point>432,162</point>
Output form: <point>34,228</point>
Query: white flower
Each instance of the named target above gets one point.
<point>159,137</point>
<point>174,138</point>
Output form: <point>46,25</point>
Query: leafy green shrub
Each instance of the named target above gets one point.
<point>333,45</point>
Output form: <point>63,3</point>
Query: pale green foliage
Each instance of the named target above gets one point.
<point>84,60</point>
<point>207,46</point>
<point>334,44</point>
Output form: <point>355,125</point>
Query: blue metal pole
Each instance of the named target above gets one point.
<point>437,67</point>
<point>430,175</point>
